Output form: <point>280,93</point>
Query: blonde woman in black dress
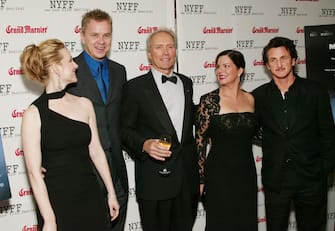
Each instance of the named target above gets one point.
<point>59,133</point>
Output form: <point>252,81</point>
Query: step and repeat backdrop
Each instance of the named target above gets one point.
<point>204,28</point>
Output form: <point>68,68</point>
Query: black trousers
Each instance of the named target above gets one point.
<point>175,214</point>
<point>309,203</point>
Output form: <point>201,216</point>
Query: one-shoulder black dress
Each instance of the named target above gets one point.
<point>72,185</point>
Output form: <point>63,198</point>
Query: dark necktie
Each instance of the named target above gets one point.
<point>101,83</point>
<point>173,79</point>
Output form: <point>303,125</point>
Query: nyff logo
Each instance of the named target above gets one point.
<point>197,44</point>
<point>327,13</point>
<point>288,11</point>
<point>128,45</point>
<point>61,5</point>
<point>70,45</point>
<point>2,4</point>
<point>201,212</point>
<point>132,192</point>
<point>248,76</point>
<point>193,8</point>
<point>7,132</point>
<point>243,10</point>
<point>135,226</point>
<point>198,79</point>
<point>3,47</point>
<point>127,6</point>
<point>240,44</point>
<point>10,209</point>
<point>12,169</point>
<point>5,89</point>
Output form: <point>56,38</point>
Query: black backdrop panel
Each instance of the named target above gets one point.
<point>320,54</point>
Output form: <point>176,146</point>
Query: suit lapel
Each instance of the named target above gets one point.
<point>111,92</point>
<point>155,99</point>
<point>188,110</point>
<point>87,81</point>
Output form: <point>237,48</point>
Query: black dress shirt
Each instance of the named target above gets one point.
<point>298,134</point>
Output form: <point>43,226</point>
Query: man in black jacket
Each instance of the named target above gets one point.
<point>156,103</point>
<point>298,141</point>
<point>102,80</point>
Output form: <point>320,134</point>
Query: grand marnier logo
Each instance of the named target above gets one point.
<point>147,30</point>
<point>26,29</point>
<point>30,228</point>
<point>217,30</point>
<point>265,30</point>
<point>15,71</point>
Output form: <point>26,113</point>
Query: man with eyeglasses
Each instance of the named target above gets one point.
<point>298,141</point>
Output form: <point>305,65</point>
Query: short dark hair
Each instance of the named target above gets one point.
<point>236,56</point>
<point>97,15</point>
<point>280,42</point>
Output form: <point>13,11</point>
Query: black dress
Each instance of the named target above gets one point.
<point>228,171</point>
<point>72,185</point>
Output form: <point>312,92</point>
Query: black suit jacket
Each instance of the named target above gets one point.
<point>298,133</point>
<point>144,116</point>
<point>108,115</point>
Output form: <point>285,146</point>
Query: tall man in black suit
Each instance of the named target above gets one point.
<point>154,105</point>
<point>106,96</point>
<point>298,141</point>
